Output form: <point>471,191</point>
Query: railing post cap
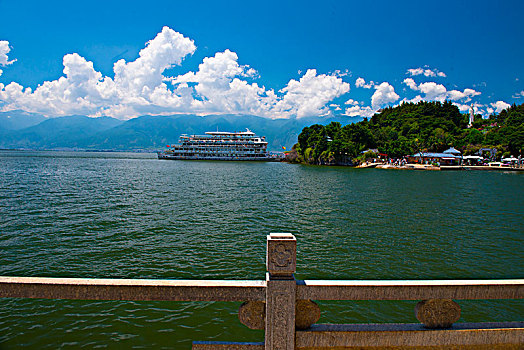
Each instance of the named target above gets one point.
<point>281,256</point>
<point>281,235</point>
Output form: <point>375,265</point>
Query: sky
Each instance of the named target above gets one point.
<point>275,59</point>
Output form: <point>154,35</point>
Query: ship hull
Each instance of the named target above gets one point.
<point>251,159</point>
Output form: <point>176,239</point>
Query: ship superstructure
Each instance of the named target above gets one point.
<point>219,145</point>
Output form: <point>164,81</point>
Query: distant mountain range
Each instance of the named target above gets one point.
<point>21,130</point>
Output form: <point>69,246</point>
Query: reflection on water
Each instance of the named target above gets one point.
<point>127,215</point>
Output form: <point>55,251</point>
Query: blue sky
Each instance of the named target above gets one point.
<point>274,59</point>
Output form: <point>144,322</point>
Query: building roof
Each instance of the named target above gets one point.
<point>452,150</point>
<point>436,155</point>
<point>374,150</point>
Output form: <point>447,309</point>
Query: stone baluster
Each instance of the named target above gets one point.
<point>281,261</point>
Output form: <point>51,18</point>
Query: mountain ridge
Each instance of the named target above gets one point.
<point>148,132</point>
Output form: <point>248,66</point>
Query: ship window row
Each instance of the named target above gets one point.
<point>222,152</point>
<point>217,149</point>
<point>223,144</point>
<point>223,141</point>
<point>221,138</point>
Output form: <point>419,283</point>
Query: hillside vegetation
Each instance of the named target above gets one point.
<point>410,128</point>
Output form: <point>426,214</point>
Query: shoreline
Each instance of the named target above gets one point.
<point>443,167</point>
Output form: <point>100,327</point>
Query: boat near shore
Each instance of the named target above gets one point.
<point>220,145</point>
<point>367,165</point>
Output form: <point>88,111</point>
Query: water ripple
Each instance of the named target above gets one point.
<point>124,215</point>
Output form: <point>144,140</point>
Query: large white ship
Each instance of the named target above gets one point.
<point>219,145</point>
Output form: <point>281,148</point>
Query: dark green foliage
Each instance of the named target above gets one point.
<point>410,128</point>
<point>508,129</point>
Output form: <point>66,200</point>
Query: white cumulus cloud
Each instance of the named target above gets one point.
<point>356,110</point>
<point>341,73</point>
<point>217,86</point>
<point>360,82</point>
<point>384,94</point>
<point>426,71</point>
<point>466,94</point>
<point>79,91</point>
<point>351,102</point>
<point>438,92</point>
<point>518,94</point>
<point>310,94</point>
<point>4,50</point>
<point>500,106</point>
<point>220,85</point>
<point>144,74</point>
<point>411,83</point>
<point>462,107</point>
<point>433,91</point>
<point>83,90</point>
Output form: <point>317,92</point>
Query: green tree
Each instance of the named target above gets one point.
<point>410,128</point>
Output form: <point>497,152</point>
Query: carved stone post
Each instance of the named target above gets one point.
<point>281,262</point>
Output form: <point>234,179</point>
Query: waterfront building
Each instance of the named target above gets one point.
<point>451,156</point>
<point>472,160</point>
<point>434,157</point>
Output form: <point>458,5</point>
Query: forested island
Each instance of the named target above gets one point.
<point>410,128</point>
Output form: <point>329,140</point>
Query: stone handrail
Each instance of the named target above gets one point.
<point>411,290</point>
<point>231,290</point>
<point>283,306</point>
<point>131,289</point>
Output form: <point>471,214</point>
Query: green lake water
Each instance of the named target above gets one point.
<point>128,215</point>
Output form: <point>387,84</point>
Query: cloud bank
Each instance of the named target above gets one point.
<point>220,85</point>
<point>438,92</point>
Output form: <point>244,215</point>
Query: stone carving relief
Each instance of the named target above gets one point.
<point>437,313</point>
<point>252,314</point>
<point>281,256</point>
<point>307,313</point>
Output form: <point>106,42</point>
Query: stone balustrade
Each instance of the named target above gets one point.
<point>285,307</point>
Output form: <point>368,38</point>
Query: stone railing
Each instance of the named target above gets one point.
<point>284,307</point>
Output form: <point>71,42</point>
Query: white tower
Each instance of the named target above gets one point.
<point>471,116</point>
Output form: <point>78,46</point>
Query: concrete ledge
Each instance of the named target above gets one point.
<point>131,289</point>
<point>212,345</point>
<point>410,290</point>
<point>508,335</point>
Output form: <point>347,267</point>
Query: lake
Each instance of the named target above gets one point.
<point>130,215</point>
